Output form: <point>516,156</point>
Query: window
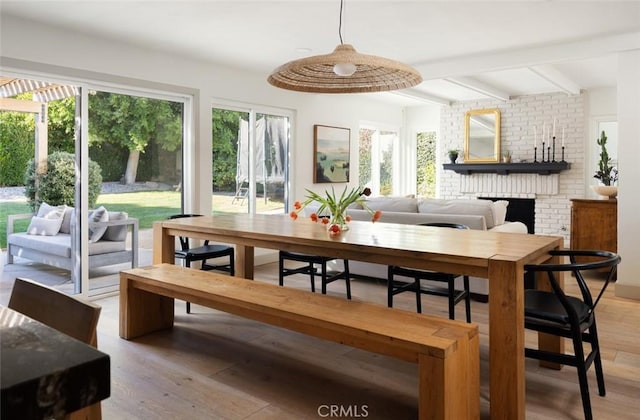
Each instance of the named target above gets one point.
<point>249,161</point>
<point>426,164</point>
<point>378,153</point>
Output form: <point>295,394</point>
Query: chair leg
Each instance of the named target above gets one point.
<point>281,271</point>
<point>582,376</point>
<point>347,279</point>
<point>324,277</point>
<point>452,302</point>
<point>232,264</point>
<point>390,287</point>
<point>312,271</point>
<point>416,285</point>
<point>595,347</point>
<point>467,297</point>
<point>187,263</point>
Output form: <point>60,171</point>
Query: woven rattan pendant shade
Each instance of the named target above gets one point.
<point>373,74</point>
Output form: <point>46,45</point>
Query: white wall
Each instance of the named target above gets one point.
<point>518,117</point>
<point>628,284</point>
<point>60,52</point>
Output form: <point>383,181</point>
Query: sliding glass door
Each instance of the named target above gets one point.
<point>249,160</point>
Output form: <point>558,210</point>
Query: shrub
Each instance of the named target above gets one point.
<point>16,146</point>
<point>57,185</point>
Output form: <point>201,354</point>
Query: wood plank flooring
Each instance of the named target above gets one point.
<point>213,365</point>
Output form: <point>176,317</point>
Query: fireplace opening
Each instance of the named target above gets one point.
<point>519,210</point>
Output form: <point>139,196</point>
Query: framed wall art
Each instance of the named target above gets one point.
<point>331,150</point>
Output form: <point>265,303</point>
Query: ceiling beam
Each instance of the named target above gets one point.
<point>422,97</point>
<point>526,57</point>
<point>556,78</point>
<point>480,87</point>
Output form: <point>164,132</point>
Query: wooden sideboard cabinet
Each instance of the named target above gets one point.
<point>594,224</point>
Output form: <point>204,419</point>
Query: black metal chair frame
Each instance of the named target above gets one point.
<point>395,287</point>
<point>553,312</point>
<point>311,270</point>
<point>203,253</point>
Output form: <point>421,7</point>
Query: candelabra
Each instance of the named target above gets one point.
<point>553,157</point>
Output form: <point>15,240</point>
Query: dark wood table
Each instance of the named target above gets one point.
<point>500,257</point>
<point>45,373</point>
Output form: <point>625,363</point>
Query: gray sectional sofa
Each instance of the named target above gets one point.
<point>46,244</point>
<point>476,214</point>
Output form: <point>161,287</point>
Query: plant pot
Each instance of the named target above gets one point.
<point>506,159</point>
<point>605,191</point>
<point>453,157</point>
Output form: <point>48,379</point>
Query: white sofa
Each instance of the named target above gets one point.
<point>50,238</point>
<point>476,214</point>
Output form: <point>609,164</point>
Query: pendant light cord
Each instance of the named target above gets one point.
<point>340,23</point>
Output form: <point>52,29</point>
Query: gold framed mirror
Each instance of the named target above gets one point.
<point>482,135</point>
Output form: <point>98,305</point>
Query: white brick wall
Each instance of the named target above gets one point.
<point>518,117</point>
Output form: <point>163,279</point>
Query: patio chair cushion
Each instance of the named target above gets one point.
<point>59,244</point>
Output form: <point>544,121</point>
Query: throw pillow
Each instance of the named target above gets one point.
<point>66,220</point>
<point>500,211</point>
<point>43,226</point>
<point>51,212</point>
<point>116,233</point>
<point>98,215</point>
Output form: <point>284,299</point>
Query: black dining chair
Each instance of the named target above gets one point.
<point>396,286</point>
<point>554,312</point>
<point>310,269</point>
<point>203,253</point>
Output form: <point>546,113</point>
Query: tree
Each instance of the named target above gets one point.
<point>17,133</point>
<point>225,126</point>
<point>426,164</point>
<point>134,122</point>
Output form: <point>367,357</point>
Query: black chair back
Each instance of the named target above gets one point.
<point>184,241</point>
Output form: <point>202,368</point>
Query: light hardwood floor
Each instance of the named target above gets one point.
<point>217,366</point>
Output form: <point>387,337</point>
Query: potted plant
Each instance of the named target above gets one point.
<point>607,174</point>
<point>453,155</point>
<point>506,156</point>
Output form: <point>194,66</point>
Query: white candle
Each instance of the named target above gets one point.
<point>544,126</point>
<point>562,136</point>
<point>535,137</point>
<point>554,126</point>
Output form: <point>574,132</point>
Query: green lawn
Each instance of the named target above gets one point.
<point>146,206</point>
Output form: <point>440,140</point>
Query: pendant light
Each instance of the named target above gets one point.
<point>344,71</point>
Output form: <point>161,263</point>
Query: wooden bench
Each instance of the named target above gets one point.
<point>447,352</point>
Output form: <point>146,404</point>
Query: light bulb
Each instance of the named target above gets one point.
<point>344,69</point>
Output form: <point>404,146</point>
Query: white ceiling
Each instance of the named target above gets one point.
<point>464,49</point>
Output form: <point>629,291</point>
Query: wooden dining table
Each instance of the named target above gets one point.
<point>499,257</point>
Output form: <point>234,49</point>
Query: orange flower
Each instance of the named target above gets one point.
<point>376,216</point>
<point>325,220</point>
<point>334,229</point>
<point>314,217</point>
<point>297,205</point>
<point>293,215</point>
<point>347,218</point>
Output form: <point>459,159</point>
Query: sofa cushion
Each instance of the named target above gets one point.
<point>472,221</point>
<point>59,244</point>
<point>397,204</point>
<point>104,247</point>
<point>44,226</point>
<point>116,233</point>
<point>461,207</point>
<point>98,215</point>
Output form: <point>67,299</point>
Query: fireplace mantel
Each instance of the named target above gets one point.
<point>540,168</point>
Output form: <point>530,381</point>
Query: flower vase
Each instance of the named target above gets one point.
<point>339,219</point>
